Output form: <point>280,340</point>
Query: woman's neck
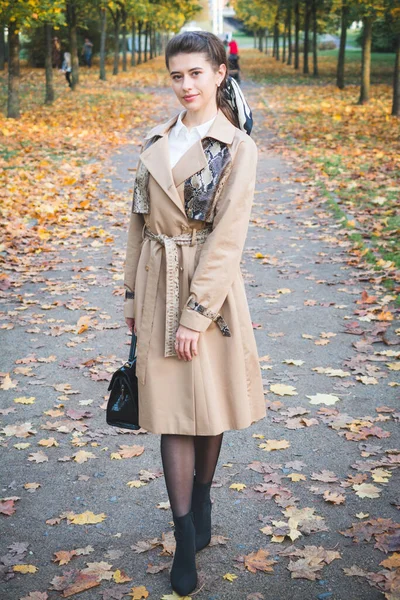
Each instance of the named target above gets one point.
<point>195,118</point>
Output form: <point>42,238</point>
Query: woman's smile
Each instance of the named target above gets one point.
<point>190,97</point>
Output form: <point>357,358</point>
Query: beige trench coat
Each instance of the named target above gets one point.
<point>199,286</point>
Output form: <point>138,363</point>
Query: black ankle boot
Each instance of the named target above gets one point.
<point>183,574</point>
<point>201,508</point>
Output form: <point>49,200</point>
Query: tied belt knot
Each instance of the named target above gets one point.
<point>172,293</point>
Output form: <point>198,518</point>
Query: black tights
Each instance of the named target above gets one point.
<point>181,456</point>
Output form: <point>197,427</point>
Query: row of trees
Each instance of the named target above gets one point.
<point>284,19</point>
<point>139,18</point>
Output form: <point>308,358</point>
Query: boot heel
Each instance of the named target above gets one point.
<point>183,574</point>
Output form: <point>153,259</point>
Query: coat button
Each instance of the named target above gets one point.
<point>147,267</point>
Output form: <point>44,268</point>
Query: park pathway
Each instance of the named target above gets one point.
<point>321,336</point>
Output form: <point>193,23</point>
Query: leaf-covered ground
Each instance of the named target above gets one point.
<point>351,152</point>
<point>306,501</point>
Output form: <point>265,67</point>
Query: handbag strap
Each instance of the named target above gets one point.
<point>133,347</point>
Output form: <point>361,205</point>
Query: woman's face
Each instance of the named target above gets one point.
<point>194,80</point>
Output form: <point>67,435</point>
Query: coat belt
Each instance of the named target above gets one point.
<point>172,291</point>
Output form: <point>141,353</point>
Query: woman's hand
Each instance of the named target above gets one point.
<point>186,343</point>
<point>131,324</point>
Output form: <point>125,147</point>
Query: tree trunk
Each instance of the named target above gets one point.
<point>307,11</point>
<point>290,51</point>
<point>152,43</point>
<point>276,31</point>
<point>342,46</point>
<point>103,37</point>
<point>124,43</point>
<point>133,34</point>
<point>255,39</point>
<point>73,42</point>
<point>366,61</point>
<point>284,40</point>
<point>146,40</point>
<point>117,19</point>
<point>2,49</point>
<point>296,34</point>
<point>260,40</point>
<point>49,97</point>
<point>396,80</point>
<point>315,37</point>
<point>13,71</point>
<point>140,26</point>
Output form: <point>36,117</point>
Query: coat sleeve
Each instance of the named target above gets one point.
<point>133,250</point>
<point>220,255</point>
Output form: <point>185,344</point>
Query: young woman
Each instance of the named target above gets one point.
<point>197,363</point>
<point>66,67</point>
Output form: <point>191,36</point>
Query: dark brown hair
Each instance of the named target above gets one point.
<point>214,50</point>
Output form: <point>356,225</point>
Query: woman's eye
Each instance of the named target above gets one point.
<point>176,77</point>
<point>196,72</point>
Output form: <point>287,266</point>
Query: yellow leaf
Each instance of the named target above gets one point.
<point>115,456</point>
<point>283,390</point>
<point>297,477</point>
<point>87,517</point>
<point>362,515</point>
<point>120,577</point>
<point>258,436</point>
<point>82,456</point>
<point>25,568</point>
<point>237,486</point>
<point>274,445</point>
<point>25,400</point>
<point>394,366</point>
<point>135,483</point>
<point>22,445</point>
<point>49,442</point>
<point>139,592</point>
<point>381,475</point>
<point>8,383</point>
<point>229,577</point>
<point>366,490</point>
<point>31,486</point>
<point>327,399</point>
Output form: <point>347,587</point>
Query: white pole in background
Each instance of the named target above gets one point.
<point>220,18</point>
<point>214,5</point>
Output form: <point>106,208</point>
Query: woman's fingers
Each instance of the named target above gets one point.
<point>181,349</point>
<point>188,353</point>
<point>184,349</point>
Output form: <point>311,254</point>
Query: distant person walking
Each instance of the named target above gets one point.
<point>56,53</point>
<point>233,48</point>
<point>87,52</point>
<point>67,67</point>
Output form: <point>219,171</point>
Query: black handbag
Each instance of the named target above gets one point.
<point>123,403</point>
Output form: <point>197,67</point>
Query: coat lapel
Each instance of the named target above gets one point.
<point>156,160</point>
<point>156,157</point>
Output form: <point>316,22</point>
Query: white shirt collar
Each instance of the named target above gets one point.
<point>199,131</point>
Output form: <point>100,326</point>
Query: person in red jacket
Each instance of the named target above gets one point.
<point>233,48</point>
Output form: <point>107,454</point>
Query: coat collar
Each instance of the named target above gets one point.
<point>156,156</point>
<point>221,129</point>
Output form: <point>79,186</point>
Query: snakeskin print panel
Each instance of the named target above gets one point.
<point>201,189</point>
